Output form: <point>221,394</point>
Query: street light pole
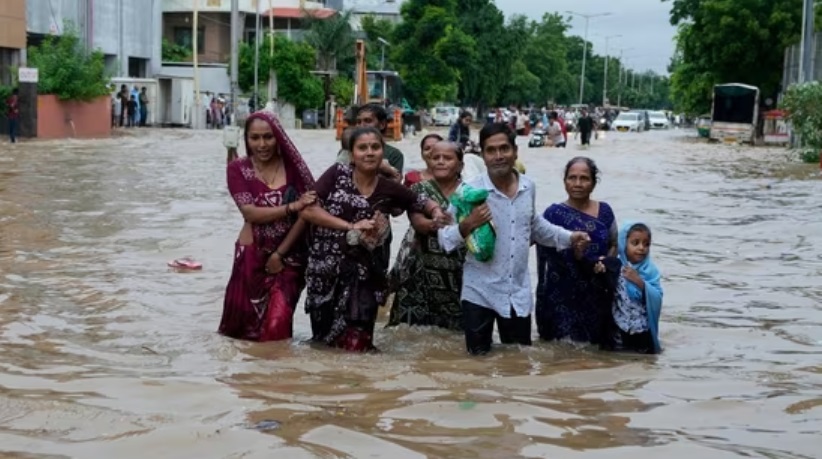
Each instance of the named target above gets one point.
<point>235,55</point>
<point>605,79</point>
<point>806,48</point>
<point>585,48</point>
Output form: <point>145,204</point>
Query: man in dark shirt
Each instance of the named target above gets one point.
<point>13,104</point>
<point>585,126</point>
<point>375,116</point>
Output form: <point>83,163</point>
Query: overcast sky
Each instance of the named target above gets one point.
<point>647,34</point>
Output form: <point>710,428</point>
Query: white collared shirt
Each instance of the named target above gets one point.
<point>503,282</point>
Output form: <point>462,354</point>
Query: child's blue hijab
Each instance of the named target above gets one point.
<point>650,274</point>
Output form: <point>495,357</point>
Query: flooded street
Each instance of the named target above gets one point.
<point>104,352</point>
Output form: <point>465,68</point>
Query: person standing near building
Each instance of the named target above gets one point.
<point>13,104</point>
<point>143,107</point>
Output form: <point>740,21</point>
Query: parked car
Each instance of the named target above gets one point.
<point>659,120</point>
<point>629,122</point>
<point>445,116</point>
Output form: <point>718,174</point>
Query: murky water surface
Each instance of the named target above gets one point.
<point>106,353</point>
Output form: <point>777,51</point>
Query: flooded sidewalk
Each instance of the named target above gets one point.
<point>105,352</point>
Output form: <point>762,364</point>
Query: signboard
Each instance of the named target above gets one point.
<point>27,75</point>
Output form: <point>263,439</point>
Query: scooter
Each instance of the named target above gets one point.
<point>538,138</point>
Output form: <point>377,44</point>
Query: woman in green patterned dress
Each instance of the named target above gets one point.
<point>426,281</point>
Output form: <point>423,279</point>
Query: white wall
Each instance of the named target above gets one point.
<point>213,78</point>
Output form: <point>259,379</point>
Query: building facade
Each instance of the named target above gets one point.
<point>214,23</point>
<point>12,37</point>
<point>128,32</point>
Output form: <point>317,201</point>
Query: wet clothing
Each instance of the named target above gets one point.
<point>426,279</point>
<point>503,284</point>
<point>347,278</point>
<point>585,126</point>
<point>259,306</point>
<point>571,302</point>
<point>636,312</point>
<point>13,115</point>
<point>479,328</point>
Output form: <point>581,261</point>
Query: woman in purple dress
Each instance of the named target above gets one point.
<point>346,277</point>
<point>270,186</point>
<point>572,301</point>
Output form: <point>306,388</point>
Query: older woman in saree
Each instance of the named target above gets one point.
<point>427,280</point>
<point>270,186</point>
<point>572,302</point>
<point>346,277</point>
<point>417,176</point>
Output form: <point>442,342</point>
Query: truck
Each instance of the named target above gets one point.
<point>734,113</point>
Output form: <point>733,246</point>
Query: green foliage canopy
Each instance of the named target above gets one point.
<point>724,41</point>
<point>67,69</point>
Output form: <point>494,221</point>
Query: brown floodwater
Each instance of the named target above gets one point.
<point>105,352</point>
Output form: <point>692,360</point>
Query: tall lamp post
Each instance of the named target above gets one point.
<point>806,46</point>
<point>585,48</point>
<point>605,79</point>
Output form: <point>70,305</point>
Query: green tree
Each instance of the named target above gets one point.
<point>418,54</point>
<point>293,63</point>
<point>343,90</point>
<point>722,41</point>
<point>486,66</point>
<point>333,39</point>
<point>804,105</point>
<point>375,29</point>
<point>67,68</point>
<point>546,55</point>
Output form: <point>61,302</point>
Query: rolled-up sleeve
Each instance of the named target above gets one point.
<point>449,237</point>
<point>548,234</point>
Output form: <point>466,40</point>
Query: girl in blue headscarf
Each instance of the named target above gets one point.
<point>638,299</point>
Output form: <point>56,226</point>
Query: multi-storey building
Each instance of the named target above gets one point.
<point>128,32</point>
<point>12,37</point>
<point>214,26</point>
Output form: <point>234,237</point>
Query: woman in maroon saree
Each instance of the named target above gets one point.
<point>271,185</point>
<point>346,277</point>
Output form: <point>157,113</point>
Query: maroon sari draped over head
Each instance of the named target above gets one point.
<point>260,306</point>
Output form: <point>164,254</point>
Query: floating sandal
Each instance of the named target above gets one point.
<point>185,263</point>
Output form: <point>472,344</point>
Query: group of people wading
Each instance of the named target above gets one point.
<point>331,237</point>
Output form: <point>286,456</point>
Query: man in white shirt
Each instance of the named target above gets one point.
<point>500,289</point>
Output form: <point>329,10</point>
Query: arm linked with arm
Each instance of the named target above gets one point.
<point>450,237</point>
<point>548,234</point>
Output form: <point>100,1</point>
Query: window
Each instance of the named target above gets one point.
<point>183,37</point>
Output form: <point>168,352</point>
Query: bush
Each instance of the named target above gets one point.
<point>810,156</point>
<point>5,92</point>
<point>173,52</point>
<point>803,103</point>
<point>67,69</point>
<point>343,90</point>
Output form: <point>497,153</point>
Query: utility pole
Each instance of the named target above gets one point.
<point>585,49</point>
<point>235,56</point>
<point>257,57</point>
<point>806,53</point>
<point>605,79</point>
<point>195,120</point>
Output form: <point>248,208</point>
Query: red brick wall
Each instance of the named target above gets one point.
<point>58,119</point>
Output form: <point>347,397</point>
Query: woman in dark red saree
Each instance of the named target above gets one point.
<point>271,185</point>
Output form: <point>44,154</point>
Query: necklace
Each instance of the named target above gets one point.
<point>268,182</point>
<point>363,189</point>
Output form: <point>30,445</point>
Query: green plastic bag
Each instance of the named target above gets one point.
<point>482,240</point>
